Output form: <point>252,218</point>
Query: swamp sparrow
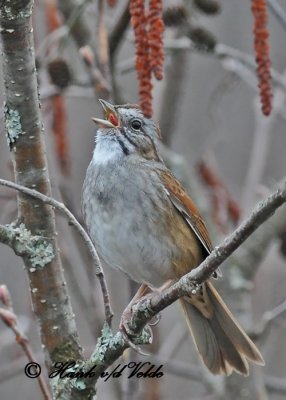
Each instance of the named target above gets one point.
<point>143,223</point>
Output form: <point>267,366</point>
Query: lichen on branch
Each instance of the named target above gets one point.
<point>34,235</point>
<point>13,125</point>
<point>39,251</point>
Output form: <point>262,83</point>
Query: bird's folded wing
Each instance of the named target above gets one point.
<point>186,207</point>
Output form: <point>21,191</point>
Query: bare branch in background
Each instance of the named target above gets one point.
<point>117,34</point>
<point>73,12</point>
<point>83,38</point>
<point>267,320</point>
<point>187,371</point>
<point>260,147</point>
<point>103,52</point>
<point>170,109</point>
<point>9,318</point>
<point>254,249</point>
<point>220,195</point>
<point>277,11</point>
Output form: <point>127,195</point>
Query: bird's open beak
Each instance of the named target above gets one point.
<point>111,115</point>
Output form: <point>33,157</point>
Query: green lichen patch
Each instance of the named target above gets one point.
<point>11,10</point>
<point>13,125</point>
<point>144,338</point>
<point>144,307</point>
<point>37,248</point>
<point>103,343</point>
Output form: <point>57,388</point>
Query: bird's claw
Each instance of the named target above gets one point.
<point>157,319</point>
<point>126,334</point>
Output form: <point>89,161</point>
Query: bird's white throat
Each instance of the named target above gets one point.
<point>106,150</point>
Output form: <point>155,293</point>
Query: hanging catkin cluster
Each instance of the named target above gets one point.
<point>148,29</point>
<point>155,38</point>
<point>261,46</point>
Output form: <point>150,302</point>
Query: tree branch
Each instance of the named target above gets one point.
<point>103,46</point>
<point>187,371</point>
<point>110,347</point>
<point>73,221</point>
<point>277,11</point>
<point>5,235</point>
<point>73,12</point>
<point>117,33</point>
<point>83,38</point>
<point>25,135</point>
<point>9,317</point>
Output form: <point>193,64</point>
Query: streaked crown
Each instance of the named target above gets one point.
<point>126,127</point>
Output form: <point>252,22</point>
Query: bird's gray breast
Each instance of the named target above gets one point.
<point>123,205</point>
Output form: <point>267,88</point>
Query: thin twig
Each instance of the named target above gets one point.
<point>24,343</point>
<point>73,221</point>
<point>267,320</point>
<point>9,317</point>
<point>73,13</point>
<point>117,34</point>
<point>277,11</point>
<point>258,157</point>
<point>109,350</point>
<point>57,328</point>
<point>220,194</point>
<point>221,51</point>
<point>89,311</point>
<point>260,146</point>
<point>275,385</point>
<point>187,371</point>
<point>82,36</point>
<point>103,52</point>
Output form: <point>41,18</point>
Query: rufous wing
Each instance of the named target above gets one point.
<point>186,207</point>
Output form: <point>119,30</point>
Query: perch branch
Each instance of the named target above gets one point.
<point>110,347</point>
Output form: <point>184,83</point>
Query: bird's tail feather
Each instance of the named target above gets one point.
<point>221,342</point>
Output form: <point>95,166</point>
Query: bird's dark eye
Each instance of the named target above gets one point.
<point>136,124</point>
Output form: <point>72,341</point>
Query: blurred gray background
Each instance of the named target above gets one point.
<point>216,118</point>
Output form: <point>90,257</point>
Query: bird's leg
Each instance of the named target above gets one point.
<point>126,318</point>
<point>157,317</point>
<point>140,293</point>
<point>166,285</point>
<point>127,315</point>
